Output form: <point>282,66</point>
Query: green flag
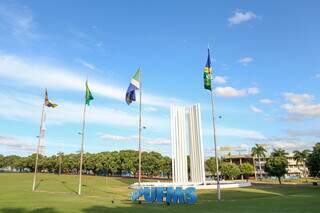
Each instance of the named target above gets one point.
<point>89,96</point>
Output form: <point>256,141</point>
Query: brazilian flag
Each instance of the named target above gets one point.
<point>89,96</point>
<point>207,73</point>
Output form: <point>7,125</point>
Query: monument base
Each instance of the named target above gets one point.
<point>207,185</point>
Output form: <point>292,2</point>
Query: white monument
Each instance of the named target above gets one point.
<point>186,139</point>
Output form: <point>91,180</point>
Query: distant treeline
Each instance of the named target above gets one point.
<point>125,162</point>
<point>117,163</point>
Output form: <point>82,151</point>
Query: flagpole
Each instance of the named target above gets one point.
<point>38,148</point>
<point>215,144</point>
<point>82,142</point>
<point>140,129</point>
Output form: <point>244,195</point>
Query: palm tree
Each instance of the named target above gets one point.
<point>301,158</point>
<point>259,151</point>
<point>279,153</point>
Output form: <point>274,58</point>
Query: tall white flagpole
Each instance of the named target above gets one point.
<point>140,128</point>
<point>215,147</point>
<point>82,143</point>
<point>38,149</point>
<point>215,139</point>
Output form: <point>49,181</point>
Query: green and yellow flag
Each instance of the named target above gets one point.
<point>207,73</point>
<point>89,96</point>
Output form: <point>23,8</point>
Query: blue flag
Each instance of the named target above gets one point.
<point>133,86</point>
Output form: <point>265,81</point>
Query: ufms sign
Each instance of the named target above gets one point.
<point>170,195</point>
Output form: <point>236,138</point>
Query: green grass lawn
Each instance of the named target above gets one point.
<point>290,181</point>
<point>58,194</point>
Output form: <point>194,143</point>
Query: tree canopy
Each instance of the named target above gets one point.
<point>246,169</point>
<point>230,170</point>
<point>277,164</point>
<point>258,151</point>
<point>210,165</point>
<point>313,161</point>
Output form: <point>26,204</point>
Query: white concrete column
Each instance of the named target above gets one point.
<point>178,141</point>
<point>196,145</point>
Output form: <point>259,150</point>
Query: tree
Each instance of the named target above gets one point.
<point>60,159</point>
<point>246,169</point>
<point>211,166</point>
<point>21,164</point>
<point>11,161</point>
<point>301,159</point>
<point>259,151</point>
<point>71,163</point>
<point>50,163</point>
<point>114,163</point>
<point>313,161</point>
<point>89,163</point>
<point>277,164</point>
<point>1,161</point>
<point>129,158</point>
<point>166,166</point>
<point>151,163</point>
<point>230,170</point>
<point>279,153</point>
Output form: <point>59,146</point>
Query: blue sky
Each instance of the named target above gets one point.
<point>265,61</point>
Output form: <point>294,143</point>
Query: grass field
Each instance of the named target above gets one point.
<point>289,181</point>
<point>58,194</point>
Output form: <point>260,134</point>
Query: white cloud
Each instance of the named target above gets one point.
<point>150,109</point>
<point>289,144</point>
<point>303,133</point>
<point>24,71</point>
<point>298,98</point>
<point>106,136</point>
<point>18,21</point>
<point>255,109</point>
<point>225,66</point>
<point>245,60</point>
<point>28,107</point>
<point>158,141</point>
<point>28,145</point>
<point>241,147</point>
<point>86,64</point>
<point>235,132</point>
<point>232,92</point>
<point>301,105</point>
<point>132,138</point>
<point>220,79</point>
<point>303,110</point>
<point>241,17</point>
<point>266,101</point>
<point>253,90</point>
<point>16,144</point>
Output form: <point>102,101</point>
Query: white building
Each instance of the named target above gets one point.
<point>294,169</point>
